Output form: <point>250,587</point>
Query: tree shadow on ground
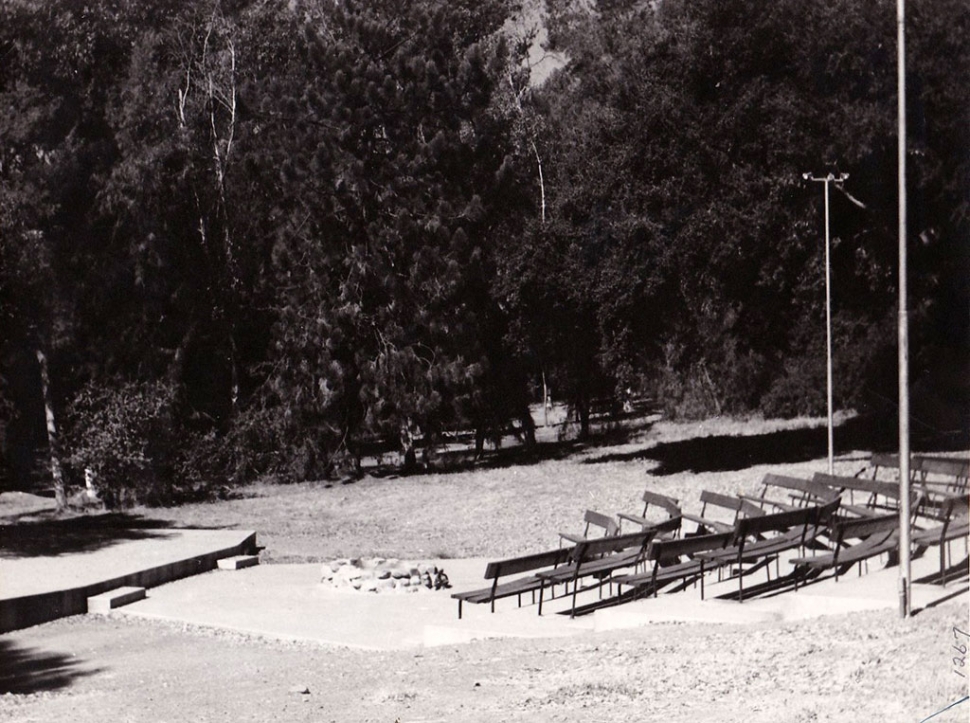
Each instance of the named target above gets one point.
<point>26,670</point>
<point>514,453</point>
<point>728,453</point>
<point>50,536</point>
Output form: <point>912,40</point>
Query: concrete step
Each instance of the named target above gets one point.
<point>238,562</point>
<point>106,601</point>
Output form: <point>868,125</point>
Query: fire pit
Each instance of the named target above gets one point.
<point>377,574</point>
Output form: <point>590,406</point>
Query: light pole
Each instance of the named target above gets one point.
<point>905,566</point>
<point>830,178</point>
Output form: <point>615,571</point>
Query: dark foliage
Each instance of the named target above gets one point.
<point>258,237</point>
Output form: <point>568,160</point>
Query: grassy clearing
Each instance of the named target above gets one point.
<point>498,511</point>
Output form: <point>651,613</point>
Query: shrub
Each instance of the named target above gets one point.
<point>126,435</point>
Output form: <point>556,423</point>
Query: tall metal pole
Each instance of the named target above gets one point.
<point>904,512</point>
<point>828,308</point>
<point>828,328</point>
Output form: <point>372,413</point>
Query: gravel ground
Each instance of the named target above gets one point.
<point>872,667</point>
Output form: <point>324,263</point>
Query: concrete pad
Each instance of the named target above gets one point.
<point>36,589</point>
<point>107,601</point>
<point>289,602</point>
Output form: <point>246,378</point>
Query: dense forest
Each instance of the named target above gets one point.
<point>253,237</point>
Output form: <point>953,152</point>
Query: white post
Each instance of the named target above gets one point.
<point>904,519</point>
<point>828,326</point>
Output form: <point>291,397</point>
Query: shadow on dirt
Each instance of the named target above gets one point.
<point>728,453</point>
<point>50,536</point>
<point>31,670</point>
<point>514,453</point>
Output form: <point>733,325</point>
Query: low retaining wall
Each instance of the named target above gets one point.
<point>23,612</point>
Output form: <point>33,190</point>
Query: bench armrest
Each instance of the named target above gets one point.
<point>636,519</point>
<point>575,539</point>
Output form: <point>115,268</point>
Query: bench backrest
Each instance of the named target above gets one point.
<point>672,550</point>
<point>883,459</point>
<point>808,488</point>
<point>671,505</point>
<point>948,466</point>
<point>857,528</point>
<point>527,563</point>
<point>859,484</point>
<point>735,504</point>
<point>592,549</point>
<point>718,500</point>
<point>816,515</point>
<point>608,524</point>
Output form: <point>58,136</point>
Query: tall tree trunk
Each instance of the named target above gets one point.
<point>410,462</point>
<point>234,372</point>
<point>57,473</point>
<point>582,409</point>
<point>528,427</point>
<point>545,400</point>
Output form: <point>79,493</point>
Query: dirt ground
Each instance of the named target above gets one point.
<point>856,667</point>
<point>872,667</point>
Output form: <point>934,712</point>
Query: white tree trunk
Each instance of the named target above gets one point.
<point>57,473</point>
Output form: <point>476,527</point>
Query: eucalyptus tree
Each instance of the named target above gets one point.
<point>59,64</point>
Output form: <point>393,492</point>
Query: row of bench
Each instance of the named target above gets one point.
<point>842,520</point>
<point>930,473</point>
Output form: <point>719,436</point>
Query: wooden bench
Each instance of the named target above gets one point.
<point>876,535</point>
<point>736,505</point>
<point>494,571</point>
<point>592,518</point>
<point>796,528</point>
<point>956,525</point>
<point>600,558</point>
<point>801,492</point>
<point>871,489</point>
<point>675,560</point>
<point>668,504</point>
<point>954,469</point>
